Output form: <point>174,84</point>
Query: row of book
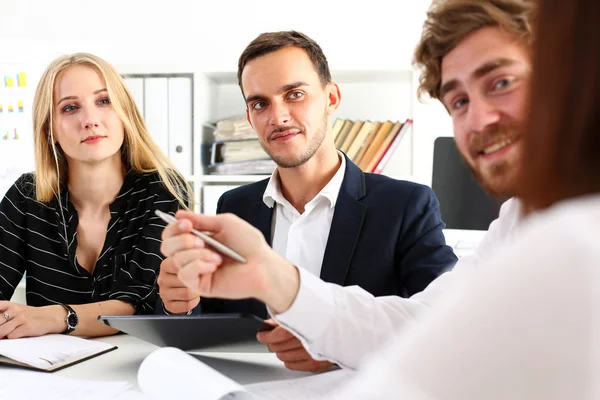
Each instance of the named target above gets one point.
<point>237,151</point>
<point>369,144</point>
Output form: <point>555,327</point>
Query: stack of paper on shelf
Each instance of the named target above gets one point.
<point>234,128</point>
<point>236,149</point>
<point>253,167</point>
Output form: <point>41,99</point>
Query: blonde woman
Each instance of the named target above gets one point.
<point>82,226</point>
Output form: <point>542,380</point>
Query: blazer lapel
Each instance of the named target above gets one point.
<point>345,226</point>
<point>261,217</point>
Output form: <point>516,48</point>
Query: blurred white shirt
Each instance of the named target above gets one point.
<point>525,327</point>
<point>345,324</point>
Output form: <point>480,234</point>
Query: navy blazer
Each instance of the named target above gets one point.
<point>386,236</point>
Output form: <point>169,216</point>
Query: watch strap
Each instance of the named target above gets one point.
<point>70,312</point>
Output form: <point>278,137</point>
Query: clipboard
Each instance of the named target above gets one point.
<point>224,333</point>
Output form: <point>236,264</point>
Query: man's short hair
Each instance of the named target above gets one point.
<point>270,42</point>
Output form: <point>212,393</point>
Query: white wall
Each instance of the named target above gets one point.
<point>195,35</point>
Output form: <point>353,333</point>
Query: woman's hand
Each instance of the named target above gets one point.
<point>18,320</point>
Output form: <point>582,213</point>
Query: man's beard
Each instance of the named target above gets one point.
<point>307,154</point>
<point>499,179</point>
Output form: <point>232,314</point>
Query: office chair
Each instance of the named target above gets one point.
<point>463,202</point>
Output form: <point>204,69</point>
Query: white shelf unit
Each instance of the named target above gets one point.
<point>375,95</point>
<point>166,104</point>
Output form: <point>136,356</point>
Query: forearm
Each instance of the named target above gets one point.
<point>87,314</point>
<point>282,283</point>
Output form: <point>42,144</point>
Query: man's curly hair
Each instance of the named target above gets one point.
<point>450,21</point>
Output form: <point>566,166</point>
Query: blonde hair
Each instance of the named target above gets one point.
<point>139,152</point>
<point>450,21</point>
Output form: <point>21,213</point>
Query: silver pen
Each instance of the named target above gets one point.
<point>168,218</point>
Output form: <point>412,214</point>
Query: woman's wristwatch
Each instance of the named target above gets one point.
<point>71,319</point>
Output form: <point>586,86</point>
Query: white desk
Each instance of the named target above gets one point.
<point>123,364</point>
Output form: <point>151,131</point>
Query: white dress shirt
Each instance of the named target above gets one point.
<point>525,327</point>
<point>345,324</point>
<point>302,238</point>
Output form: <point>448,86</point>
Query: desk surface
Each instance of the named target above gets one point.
<point>123,364</point>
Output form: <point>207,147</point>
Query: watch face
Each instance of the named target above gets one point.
<point>72,320</point>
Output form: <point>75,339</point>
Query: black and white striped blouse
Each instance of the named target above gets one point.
<point>35,240</point>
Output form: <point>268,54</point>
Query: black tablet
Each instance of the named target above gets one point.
<point>205,332</point>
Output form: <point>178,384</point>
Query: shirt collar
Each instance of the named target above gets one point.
<point>273,193</point>
<point>331,191</point>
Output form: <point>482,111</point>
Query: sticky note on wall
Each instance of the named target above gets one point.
<point>21,79</point>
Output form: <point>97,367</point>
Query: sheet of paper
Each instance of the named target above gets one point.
<point>313,387</point>
<point>49,350</point>
<point>17,383</point>
<point>170,373</point>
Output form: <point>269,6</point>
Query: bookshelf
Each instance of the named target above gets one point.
<point>376,95</point>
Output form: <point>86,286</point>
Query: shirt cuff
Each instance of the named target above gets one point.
<point>168,313</point>
<point>312,310</point>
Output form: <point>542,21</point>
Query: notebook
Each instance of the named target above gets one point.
<point>50,353</point>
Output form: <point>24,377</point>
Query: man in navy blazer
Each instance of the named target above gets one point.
<point>386,235</point>
<point>318,209</point>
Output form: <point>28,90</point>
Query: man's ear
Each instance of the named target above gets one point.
<point>334,96</point>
